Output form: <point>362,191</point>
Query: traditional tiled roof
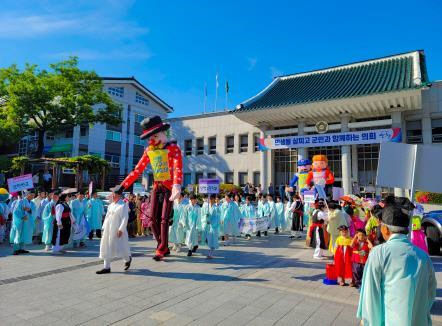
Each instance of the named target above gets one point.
<point>388,74</point>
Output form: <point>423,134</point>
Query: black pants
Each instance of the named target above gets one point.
<point>297,222</point>
<point>358,271</point>
<point>65,232</point>
<point>97,233</point>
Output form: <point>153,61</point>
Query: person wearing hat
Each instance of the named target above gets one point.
<point>22,223</point>
<point>48,217</point>
<point>94,214</point>
<point>399,284</point>
<point>166,161</point>
<point>114,240</point>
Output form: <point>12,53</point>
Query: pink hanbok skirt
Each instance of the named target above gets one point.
<point>419,239</point>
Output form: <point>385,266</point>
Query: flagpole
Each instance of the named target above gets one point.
<point>216,91</point>
<point>227,96</point>
<point>205,97</point>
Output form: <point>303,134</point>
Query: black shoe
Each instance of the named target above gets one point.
<point>195,249</point>
<point>22,251</point>
<point>189,253</point>
<point>127,264</point>
<point>258,234</point>
<point>276,231</point>
<point>167,253</point>
<point>265,233</point>
<point>222,238</point>
<point>248,237</point>
<point>16,252</point>
<point>156,258</point>
<point>104,271</point>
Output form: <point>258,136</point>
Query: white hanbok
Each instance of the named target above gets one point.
<point>116,220</point>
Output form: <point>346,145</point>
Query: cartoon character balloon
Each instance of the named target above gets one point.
<point>320,173</point>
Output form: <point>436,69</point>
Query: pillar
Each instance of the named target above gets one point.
<point>346,159</point>
<point>124,126</point>
<point>427,135</point>
<point>354,163</point>
<point>263,163</point>
<point>396,117</point>
<point>302,152</point>
<point>76,141</point>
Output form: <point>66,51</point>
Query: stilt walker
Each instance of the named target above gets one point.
<point>166,161</point>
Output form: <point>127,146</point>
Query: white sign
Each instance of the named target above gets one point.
<point>337,193</point>
<point>20,183</point>
<point>309,197</point>
<point>406,166</point>
<point>337,139</point>
<point>252,225</point>
<point>68,171</point>
<point>91,188</point>
<point>138,188</point>
<point>208,186</point>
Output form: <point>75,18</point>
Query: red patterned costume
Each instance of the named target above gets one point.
<point>166,161</point>
<point>343,258</point>
<point>320,173</point>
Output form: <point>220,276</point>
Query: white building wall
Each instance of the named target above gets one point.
<point>220,125</point>
<point>97,139</point>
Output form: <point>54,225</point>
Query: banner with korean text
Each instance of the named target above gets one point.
<point>20,183</point>
<point>336,139</point>
<point>252,225</point>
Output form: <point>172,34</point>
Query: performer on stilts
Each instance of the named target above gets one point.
<point>165,158</point>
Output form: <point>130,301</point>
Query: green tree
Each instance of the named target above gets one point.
<point>53,100</point>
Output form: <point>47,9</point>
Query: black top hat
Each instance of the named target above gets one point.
<point>153,125</point>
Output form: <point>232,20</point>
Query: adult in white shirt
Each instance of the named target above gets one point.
<point>114,239</point>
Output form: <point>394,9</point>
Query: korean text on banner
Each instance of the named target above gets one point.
<point>20,183</point>
<point>309,197</point>
<point>208,186</point>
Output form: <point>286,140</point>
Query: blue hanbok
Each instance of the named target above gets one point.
<point>22,224</point>
<point>280,218</point>
<point>48,222</point>
<point>94,213</point>
<point>230,215</point>
<point>210,219</point>
<point>176,230</point>
<point>248,211</point>
<point>78,211</point>
<point>263,209</point>
<point>192,220</point>
<point>273,217</point>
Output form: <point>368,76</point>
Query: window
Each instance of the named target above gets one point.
<point>83,131</point>
<point>436,130</point>
<point>114,160</point>
<point>141,99</point>
<point>138,141</point>
<point>228,177</point>
<point>414,132</point>
<point>69,133</point>
<point>199,146</point>
<point>285,164</point>
<point>211,175</point>
<point>135,161</point>
<point>50,136</point>
<point>116,91</point>
<point>139,118</point>
<point>243,143</point>
<point>368,155</point>
<point>188,147</point>
<point>187,180</point>
<point>113,135</point>
<point>256,178</point>
<point>212,145</point>
<point>199,176</point>
<point>243,178</point>
<point>255,142</point>
<point>230,144</point>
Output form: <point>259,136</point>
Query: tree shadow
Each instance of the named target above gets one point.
<point>191,276</point>
<point>311,278</point>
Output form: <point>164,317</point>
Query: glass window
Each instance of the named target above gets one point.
<point>414,132</point>
<point>139,117</point>
<point>255,142</point>
<point>256,178</point>
<point>188,147</point>
<point>436,130</point>
<point>141,99</point>
<point>242,178</point>
<point>230,144</point>
<point>69,133</point>
<point>116,91</point>
<point>49,136</point>
<point>285,161</point>
<point>212,145</point>
<point>138,141</point>
<point>243,143</point>
<point>228,177</point>
<point>199,146</point>
<point>187,180</point>
<point>113,135</point>
<point>368,155</point>
<point>83,131</point>
<point>211,175</point>
<point>114,160</point>
<point>199,176</point>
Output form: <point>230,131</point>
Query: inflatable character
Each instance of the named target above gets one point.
<point>166,161</point>
<point>321,174</point>
<point>4,195</point>
<point>300,177</point>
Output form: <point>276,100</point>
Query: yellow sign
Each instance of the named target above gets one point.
<point>160,164</point>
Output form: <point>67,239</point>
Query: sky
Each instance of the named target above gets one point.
<point>175,48</point>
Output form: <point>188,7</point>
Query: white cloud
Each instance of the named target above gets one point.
<point>131,53</point>
<point>24,26</point>
<point>275,72</point>
<point>252,63</point>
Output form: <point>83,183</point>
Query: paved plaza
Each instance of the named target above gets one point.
<point>267,281</point>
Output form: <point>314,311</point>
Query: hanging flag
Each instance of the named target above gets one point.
<point>227,86</point>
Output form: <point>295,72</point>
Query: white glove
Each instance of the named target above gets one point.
<point>176,190</point>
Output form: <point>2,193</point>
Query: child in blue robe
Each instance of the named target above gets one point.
<point>192,220</point>
<point>210,219</point>
<point>176,230</point>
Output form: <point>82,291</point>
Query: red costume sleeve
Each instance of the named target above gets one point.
<point>142,163</point>
<point>309,178</point>
<point>177,164</point>
<point>329,177</point>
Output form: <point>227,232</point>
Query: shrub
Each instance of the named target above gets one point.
<point>425,197</point>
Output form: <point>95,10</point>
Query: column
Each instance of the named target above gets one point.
<point>123,155</point>
<point>76,141</point>
<point>346,159</point>
<point>427,135</point>
<point>396,117</point>
<point>302,152</point>
<point>130,150</point>
<point>354,162</point>
<point>263,163</point>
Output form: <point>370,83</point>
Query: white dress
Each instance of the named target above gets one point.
<point>116,220</point>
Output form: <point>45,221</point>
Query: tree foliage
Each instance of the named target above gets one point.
<point>93,164</point>
<point>53,100</point>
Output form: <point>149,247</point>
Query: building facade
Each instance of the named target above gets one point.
<point>120,145</point>
<point>368,96</point>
